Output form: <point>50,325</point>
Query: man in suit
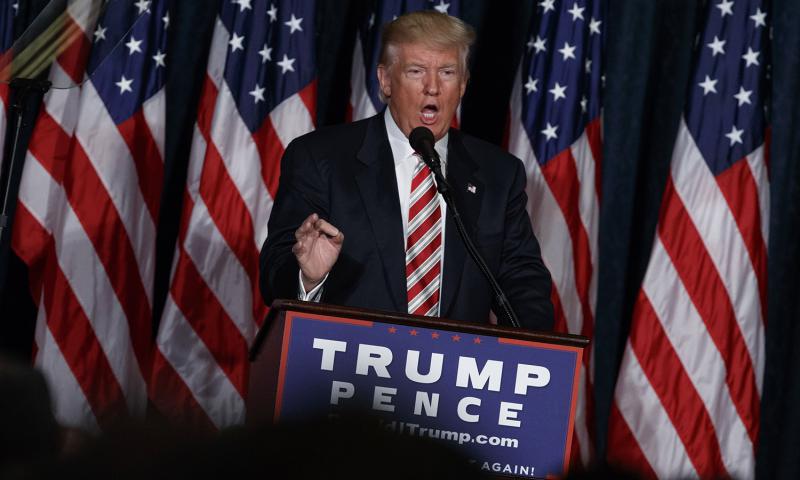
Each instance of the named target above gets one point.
<point>402,251</point>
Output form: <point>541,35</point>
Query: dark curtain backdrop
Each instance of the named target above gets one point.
<point>649,49</point>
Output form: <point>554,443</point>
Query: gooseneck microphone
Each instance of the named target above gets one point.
<point>422,141</point>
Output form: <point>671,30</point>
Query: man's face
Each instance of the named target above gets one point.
<point>423,87</point>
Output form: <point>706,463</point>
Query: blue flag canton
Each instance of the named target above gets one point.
<point>381,13</point>
<point>8,10</point>
<point>561,74</point>
<point>725,108</point>
<point>271,53</point>
<point>127,64</point>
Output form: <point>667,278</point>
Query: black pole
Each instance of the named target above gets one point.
<point>23,90</point>
<point>500,297</point>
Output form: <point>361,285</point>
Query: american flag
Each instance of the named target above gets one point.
<point>555,129</point>
<point>88,200</point>
<point>259,94</point>
<point>8,11</point>
<point>364,88</point>
<point>688,392</point>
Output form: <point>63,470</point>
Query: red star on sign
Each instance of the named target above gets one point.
<point>476,340</point>
<point>413,333</point>
<point>434,335</point>
<point>392,330</point>
<point>456,338</point>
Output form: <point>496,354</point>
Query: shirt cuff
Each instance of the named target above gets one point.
<point>314,295</point>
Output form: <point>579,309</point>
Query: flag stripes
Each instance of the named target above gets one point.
<point>214,307</point>
<point>87,194</point>
<point>570,259</point>
<point>698,323</point>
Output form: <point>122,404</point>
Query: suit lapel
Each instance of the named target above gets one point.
<point>463,177</point>
<point>377,183</point>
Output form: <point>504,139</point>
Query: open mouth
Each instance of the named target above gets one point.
<point>429,113</point>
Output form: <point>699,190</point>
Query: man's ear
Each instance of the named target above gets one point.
<point>384,80</point>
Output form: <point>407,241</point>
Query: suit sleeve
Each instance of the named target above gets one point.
<point>302,191</point>
<point>522,274</point>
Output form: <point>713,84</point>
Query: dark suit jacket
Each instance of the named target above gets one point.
<point>346,174</point>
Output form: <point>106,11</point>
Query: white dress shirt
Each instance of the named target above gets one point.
<point>405,161</point>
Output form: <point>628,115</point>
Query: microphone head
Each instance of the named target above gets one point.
<point>421,140</point>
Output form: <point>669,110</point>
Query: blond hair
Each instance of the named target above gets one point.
<point>433,29</point>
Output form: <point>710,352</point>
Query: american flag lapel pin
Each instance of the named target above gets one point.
<point>471,188</point>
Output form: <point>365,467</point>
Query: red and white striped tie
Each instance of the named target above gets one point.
<point>424,244</point>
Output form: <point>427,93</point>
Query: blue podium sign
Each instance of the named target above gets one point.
<point>507,404</point>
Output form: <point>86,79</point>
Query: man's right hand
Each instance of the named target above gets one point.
<point>317,248</point>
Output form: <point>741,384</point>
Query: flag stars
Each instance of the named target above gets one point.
<point>243,5</point>
<point>567,51</point>
<point>750,57</point>
<point>456,338</point>
<point>587,65</point>
<point>272,12</point>
<point>759,18</point>
<point>266,53</point>
<point>124,85</point>
<point>294,24</point>
<point>143,6</point>
<point>594,26</point>
<point>434,335</point>
<point>159,59</point>
<point>735,135</point>
<point>257,93</point>
<point>558,91</point>
<point>548,5</point>
<point>743,96</point>
<point>550,131</point>
<point>100,33</point>
<point>287,64</point>
<point>442,7</point>
<point>708,85</point>
<point>584,104</point>
<point>133,45</point>
<point>716,46</point>
<point>725,7</point>
<point>413,333</point>
<point>371,20</point>
<point>236,42</point>
<point>165,19</point>
<point>540,45</point>
<point>576,12</point>
<point>530,86</point>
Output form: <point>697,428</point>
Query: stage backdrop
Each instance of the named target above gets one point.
<point>607,178</point>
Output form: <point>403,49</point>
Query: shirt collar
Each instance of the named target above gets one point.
<point>401,149</point>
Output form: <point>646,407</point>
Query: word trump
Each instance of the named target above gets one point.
<point>375,360</point>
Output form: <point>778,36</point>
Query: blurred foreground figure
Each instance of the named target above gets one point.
<point>29,434</point>
<point>322,450</point>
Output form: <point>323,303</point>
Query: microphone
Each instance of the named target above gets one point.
<point>422,141</point>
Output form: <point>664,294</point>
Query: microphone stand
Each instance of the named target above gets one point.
<point>22,88</point>
<point>444,189</point>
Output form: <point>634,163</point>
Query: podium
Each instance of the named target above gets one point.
<point>505,398</point>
